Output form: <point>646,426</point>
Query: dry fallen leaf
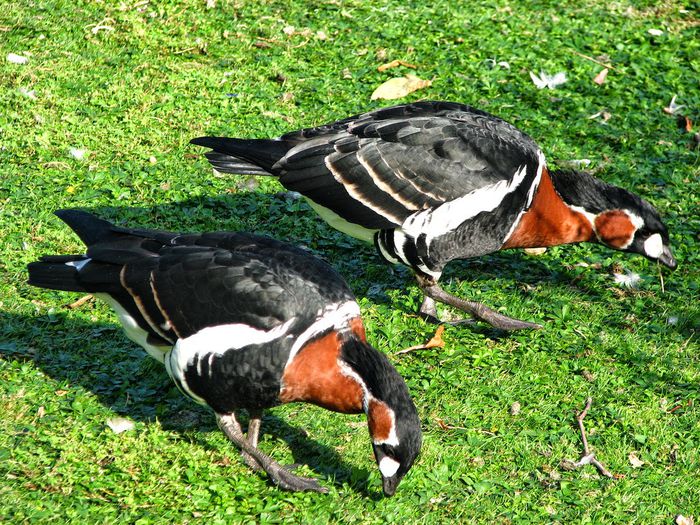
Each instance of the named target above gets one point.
<point>682,520</point>
<point>685,123</point>
<point>604,115</point>
<point>600,77</point>
<point>435,341</point>
<point>634,460</point>
<point>395,63</point>
<point>445,426</point>
<point>535,251</point>
<point>399,87</point>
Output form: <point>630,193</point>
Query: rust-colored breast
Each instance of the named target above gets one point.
<point>549,221</point>
<point>314,376</point>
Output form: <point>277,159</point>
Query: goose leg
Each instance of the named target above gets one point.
<point>278,474</point>
<point>434,292</point>
<point>252,437</point>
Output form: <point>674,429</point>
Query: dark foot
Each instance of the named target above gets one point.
<point>280,476</point>
<point>285,480</point>
<point>428,312</point>
<point>480,311</point>
<point>252,437</point>
<point>250,461</point>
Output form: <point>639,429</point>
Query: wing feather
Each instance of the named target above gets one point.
<point>378,168</point>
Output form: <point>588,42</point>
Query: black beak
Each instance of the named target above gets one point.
<point>667,259</point>
<point>389,485</point>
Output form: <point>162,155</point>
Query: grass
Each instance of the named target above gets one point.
<point>132,82</point>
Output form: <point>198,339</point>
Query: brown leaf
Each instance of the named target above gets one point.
<point>395,63</point>
<point>445,426</point>
<point>435,341</point>
<point>437,338</point>
<point>600,77</point>
<point>399,87</point>
<point>685,123</point>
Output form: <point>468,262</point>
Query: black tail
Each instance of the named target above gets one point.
<point>57,273</point>
<point>89,228</point>
<point>78,273</point>
<point>243,156</point>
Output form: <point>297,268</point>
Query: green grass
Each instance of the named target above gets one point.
<point>163,72</point>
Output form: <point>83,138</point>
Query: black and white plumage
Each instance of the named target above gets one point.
<point>431,182</point>
<point>243,322</point>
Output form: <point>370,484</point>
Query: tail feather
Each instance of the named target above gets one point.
<point>243,156</point>
<point>74,273</point>
<point>89,228</point>
<point>56,273</point>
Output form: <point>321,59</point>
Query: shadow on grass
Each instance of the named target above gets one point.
<point>98,358</point>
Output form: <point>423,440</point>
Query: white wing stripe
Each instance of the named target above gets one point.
<point>330,317</point>
<point>452,214</point>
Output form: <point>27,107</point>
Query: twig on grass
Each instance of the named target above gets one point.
<point>80,302</point>
<point>600,63</point>
<point>588,456</point>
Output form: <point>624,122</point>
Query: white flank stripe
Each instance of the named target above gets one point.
<point>399,240</point>
<point>427,271</point>
<point>215,340</point>
<point>452,214</point>
<point>335,315</point>
<point>78,265</point>
<point>389,257</point>
<point>219,339</point>
<point>388,466</point>
<point>133,331</point>
<point>654,246</point>
<point>352,189</point>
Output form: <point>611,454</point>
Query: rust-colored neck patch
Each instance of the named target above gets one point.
<point>379,420</point>
<point>615,228</point>
<point>358,328</point>
<point>549,221</point>
<point>315,376</point>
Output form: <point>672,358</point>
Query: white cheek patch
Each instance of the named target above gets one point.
<point>388,466</point>
<point>654,246</point>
